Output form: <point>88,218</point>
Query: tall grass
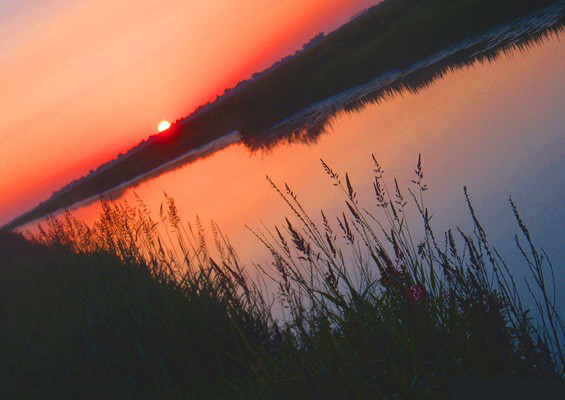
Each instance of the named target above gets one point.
<point>138,306</point>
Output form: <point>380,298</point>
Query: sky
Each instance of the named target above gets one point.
<point>83,80</point>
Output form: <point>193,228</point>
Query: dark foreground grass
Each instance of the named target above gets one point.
<point>133,308</point>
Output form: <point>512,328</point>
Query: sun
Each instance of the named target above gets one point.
<point>163,126</point>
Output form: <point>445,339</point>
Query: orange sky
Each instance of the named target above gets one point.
<point>83,80</point>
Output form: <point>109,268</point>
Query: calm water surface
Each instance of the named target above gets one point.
<point>497,127</point>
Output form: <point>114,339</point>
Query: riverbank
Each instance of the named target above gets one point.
<point>138,306</point>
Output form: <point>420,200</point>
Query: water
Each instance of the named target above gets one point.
<point>495,126</point>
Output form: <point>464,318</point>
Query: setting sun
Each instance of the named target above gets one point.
<point>163,126</point>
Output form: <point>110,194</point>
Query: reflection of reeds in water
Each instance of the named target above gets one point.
<point>521,35</point>
<point>370,306</point>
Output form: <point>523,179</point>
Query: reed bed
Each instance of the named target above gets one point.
<point>366,305</point>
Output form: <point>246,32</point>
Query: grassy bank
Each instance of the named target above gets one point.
<point>394,35</point>
<point>137,306</point>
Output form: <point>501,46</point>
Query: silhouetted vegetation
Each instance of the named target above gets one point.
<point>375,306</point>
<point>393,36</point>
